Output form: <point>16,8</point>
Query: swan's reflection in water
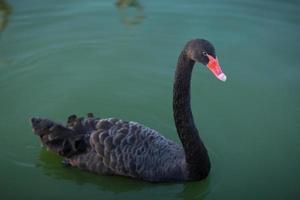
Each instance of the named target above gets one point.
<point>51,165</point>
<point>5,12</point>
<point>131,11</point>
<point>195,190</point>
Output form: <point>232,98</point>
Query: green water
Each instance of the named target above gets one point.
<point>63,57</point>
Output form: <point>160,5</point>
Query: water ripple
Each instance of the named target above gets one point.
<point>270,11</point>
<point>23,64</point>
<point>24,164</point>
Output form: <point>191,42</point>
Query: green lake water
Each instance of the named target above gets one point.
<point>117,58</point>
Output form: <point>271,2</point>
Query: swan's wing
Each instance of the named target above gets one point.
<point>131,149</point>
<point>66,141</point>
<point>113,146</point>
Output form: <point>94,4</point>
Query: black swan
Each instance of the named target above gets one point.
<point>115,147</point>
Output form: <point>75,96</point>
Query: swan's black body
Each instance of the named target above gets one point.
<point>115,147</point>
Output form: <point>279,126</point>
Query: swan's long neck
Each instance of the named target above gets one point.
<point>195,152</point>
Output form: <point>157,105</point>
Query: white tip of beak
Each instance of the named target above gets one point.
<point>222,77</point>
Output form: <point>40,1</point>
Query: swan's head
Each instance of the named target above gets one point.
<point>202,51</point>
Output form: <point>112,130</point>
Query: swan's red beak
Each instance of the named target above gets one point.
<point>214,67</point>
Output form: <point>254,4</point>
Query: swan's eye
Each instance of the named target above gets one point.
<point>204,53</point>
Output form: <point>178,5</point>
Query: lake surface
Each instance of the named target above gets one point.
<point>118,58</point>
